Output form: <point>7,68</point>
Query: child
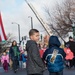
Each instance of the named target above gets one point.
<point>54,57</point>
<point>5,61</point>
<point>69,56</point>
<point>22,59</point>
<point>35,65</point>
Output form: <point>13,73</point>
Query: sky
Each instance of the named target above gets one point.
<point>18,11</point>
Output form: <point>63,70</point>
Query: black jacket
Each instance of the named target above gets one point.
<point>72,46</point>
<point>11,52</point>
<point>35,64</point>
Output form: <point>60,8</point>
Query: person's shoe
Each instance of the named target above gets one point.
<point>15,71</point>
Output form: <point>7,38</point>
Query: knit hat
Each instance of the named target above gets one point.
<point>70,37</point>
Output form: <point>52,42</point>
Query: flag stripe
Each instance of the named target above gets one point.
<point>2,28</point>
<point>2,32</point>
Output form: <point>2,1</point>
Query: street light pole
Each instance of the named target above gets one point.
<point>31,21</point>
<point>19,33</point>
<point>18,30</point>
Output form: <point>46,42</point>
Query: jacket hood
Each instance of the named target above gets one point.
<point>54,41</point>
<point>29,43</point>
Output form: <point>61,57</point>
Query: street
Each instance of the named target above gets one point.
<point>23,72</point>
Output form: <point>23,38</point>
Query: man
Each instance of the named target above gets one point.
<point>72,48</point>
<point>71,44</point>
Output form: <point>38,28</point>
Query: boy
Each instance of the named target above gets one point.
<point>54,57</point>
<point>35,65</point>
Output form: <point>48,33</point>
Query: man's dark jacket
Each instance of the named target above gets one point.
<point>72,46</point>
<point>35,64</point>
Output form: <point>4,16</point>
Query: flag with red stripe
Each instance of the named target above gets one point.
<point>2,32</point>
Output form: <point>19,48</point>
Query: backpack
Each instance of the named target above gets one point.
<point>54,61</point>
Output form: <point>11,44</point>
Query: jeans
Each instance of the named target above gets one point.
<point>15,63</point>
<point>56,73</point>
<point>22,64</point>
<point>73,62</point>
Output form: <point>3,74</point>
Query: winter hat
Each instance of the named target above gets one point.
<point>70,37</point>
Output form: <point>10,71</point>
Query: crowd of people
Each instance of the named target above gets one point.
<point>40,56</point>
<point>13,58</point>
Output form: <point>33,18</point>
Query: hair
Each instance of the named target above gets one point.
<point>3,52</point>
<point>13,42</point>
<point>32,31</point>
<point>70,37</point>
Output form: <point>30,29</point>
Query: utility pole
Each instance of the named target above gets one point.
<point>31,21</point>
<point>18,30</point>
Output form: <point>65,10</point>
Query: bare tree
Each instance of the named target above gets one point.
<point>4,45</point>
<point>62,17</point>
<point>10,38</point>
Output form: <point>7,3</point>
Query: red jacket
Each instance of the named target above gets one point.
<point>42,52</point>
<point>69,54</point>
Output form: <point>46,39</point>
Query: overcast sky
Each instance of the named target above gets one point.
<point>18,11</point>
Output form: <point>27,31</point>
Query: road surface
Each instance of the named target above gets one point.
<point>23,72</point>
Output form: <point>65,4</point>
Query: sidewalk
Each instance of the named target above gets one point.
<point>10,72</point>
<point>1,69</point>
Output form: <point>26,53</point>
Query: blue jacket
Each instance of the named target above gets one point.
<point>57,65</point>
<point>23,58</point>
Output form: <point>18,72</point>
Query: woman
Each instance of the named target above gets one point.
<point>14,55</point>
